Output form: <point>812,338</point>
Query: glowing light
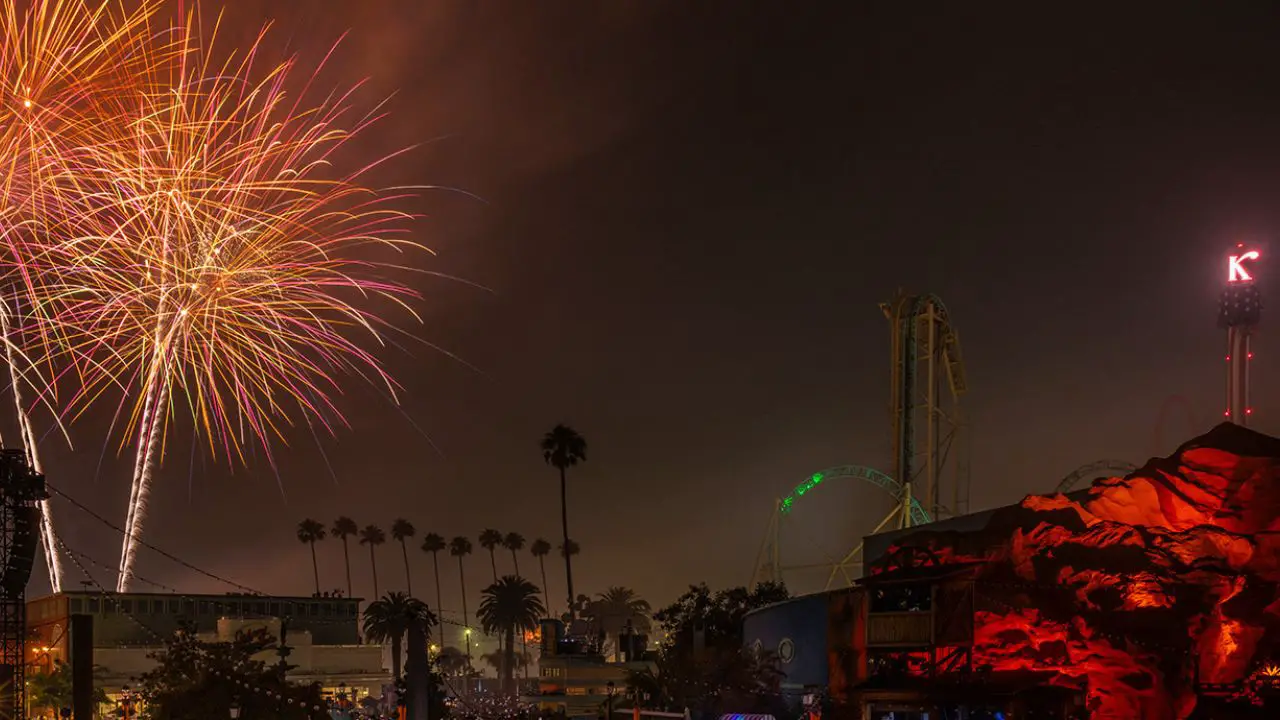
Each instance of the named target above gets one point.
<point>26,103</point>
<point>1236,271</point>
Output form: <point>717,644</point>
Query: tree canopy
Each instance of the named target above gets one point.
<point>196,680</point>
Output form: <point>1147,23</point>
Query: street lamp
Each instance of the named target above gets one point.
<point>234,710</point>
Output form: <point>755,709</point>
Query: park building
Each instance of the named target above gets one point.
<point>323,632</point>
<point>575,678</point>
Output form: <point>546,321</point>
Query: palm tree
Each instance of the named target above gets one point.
<point>433,544</point>
<point>344,527</point>
<point>510,604</point>
<point>389,618</point>
<point>451,661</point>
<point>460,547</point>
<point>563,448</point>
<point>402,530</point>
<point>540,549</point>
<point>514,541</point>
<point>309,532</point>
<point>569,548</point>
<point>373,536</point>
<point>617,610</point>
<point>490,540</point>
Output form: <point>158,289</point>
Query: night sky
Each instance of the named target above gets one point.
<point>688,214</point>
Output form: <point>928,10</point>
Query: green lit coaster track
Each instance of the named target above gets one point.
<point>769,566</point>
<point>927,380</point>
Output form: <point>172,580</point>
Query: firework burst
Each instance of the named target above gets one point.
<point>211,260</point>
<point>61,63</point>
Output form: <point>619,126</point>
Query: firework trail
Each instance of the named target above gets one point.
<point>61,61</point>
<point>211,259</point>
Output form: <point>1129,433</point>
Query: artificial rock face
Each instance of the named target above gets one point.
<point>1148,583</point>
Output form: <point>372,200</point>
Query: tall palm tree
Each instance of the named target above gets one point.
<point>433,544</point>
<point>310,532</point>
<point>490,540</point>
<point>388,619</point>
<point>402,530</point>
<point>617,610</point>
<point>514,541</point>
<point>460,547</point>
<point>510,604</point>
<point>373,536</point>
<point>540,550</point>
<point>343,528</point>
<point>563,448</point>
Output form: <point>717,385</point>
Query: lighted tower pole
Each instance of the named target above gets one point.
<point>1239,310</point>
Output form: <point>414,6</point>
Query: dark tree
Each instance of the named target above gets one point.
<point>563,448</point>
<point>746,681</point>
<point>195,680</point>
<point>343,528</point>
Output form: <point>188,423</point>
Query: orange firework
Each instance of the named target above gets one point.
<point>211,258</point>
<point>61,63</point>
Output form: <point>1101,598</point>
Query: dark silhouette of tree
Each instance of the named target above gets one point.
<point>563,448</point>
<point>460,547</point>
<point>343,528</point>
<point>452,661</point>
<point>52,690</point>
<point>514,542</point>
<point>433,544</point>
<point>309,533</point>
<point>194,680</point>
<point>402,530</point>
<point>569,548</point>
<point>388,620</point>
<point>508,605</point>
<point>541,549</point>
<point>490,540</point>
<point>373,536</point>
<point>616,610</point>
<point>747,681</point>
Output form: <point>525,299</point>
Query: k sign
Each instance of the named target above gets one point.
<point>1237,267</point>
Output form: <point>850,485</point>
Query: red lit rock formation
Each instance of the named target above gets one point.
<point>1140,586</point>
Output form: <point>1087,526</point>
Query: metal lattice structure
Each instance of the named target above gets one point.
<point>769,565</point>
<point>927,380</point>
<point>926,383</point>
<point>21,490</point>
<point>1098,468</point>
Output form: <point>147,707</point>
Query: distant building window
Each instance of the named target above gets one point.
<point>175,606</point>
<point>275,609</point>
<point>108,606</point>
<point>126,607</point>
<point>93,606</point>
<point>77,605</point>
<point>205,608</point>
<point>352,610</point>
<point>314,610</point>
<point>328,609</point>
<point>260,608</point>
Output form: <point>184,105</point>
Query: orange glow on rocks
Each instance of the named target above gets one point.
<point>1142,585</point>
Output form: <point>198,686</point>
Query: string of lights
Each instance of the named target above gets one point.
<point>200,654</point>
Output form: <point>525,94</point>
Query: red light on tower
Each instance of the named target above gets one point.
<point>1239,311</point>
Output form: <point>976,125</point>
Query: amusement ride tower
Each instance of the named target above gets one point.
<point>1239,310</point>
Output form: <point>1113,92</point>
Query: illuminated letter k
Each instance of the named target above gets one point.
<point>1235,268</point>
